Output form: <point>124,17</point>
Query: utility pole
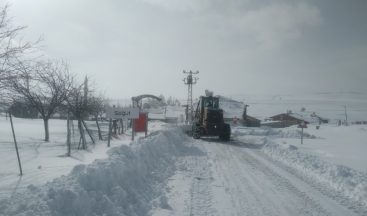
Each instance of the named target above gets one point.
<point>346,116</point>
<point>85,91</point>
<point>189,81</point>
<point>16,144</point>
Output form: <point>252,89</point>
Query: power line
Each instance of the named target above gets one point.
<point>189,81</point>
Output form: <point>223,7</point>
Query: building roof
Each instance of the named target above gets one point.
<point>252,118</point>
<point>307,117</point>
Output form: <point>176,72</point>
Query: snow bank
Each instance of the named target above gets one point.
<point>351,183</point>
<point>348,182</point>
<point>43,161</point>
<point>271,132</point>
<point>123,184</point>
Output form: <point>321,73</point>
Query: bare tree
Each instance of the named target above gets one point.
<point>13,50</point>
<point>43,85</point>
<point>11,47</point>
<point>81,103</point>
<point>75,106</point>
<point>97,109</point>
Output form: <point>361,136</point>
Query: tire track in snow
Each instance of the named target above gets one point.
<point>229,179</point>
<point>254,188</point>
<point>322,187</point>
<point>201,187</point>
<point>309,206</point>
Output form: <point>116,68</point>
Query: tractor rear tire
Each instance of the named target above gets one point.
<point>226,133</point>
<point>196,132</point>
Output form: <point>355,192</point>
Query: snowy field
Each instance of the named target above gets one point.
<point>44,161</point>
<point>261,171</point>
<point>333,157</point>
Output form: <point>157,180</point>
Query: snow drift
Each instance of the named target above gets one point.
<point>351,183</point>
<point>270,132</point>
<point>348,182</point>
<point>123,184</point>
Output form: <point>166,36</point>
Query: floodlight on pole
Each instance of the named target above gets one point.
<point>189,81</point>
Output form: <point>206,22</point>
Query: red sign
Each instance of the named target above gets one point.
<point>140,124</point>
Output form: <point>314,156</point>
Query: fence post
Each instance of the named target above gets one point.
<point>87,129</point>
<point>132,129</point>
<point>109,133</point>
<point>146,124</point>
<point>68,141</point>
<point>16,145</point>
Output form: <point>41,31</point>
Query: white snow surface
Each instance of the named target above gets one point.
<point>242,178</point>
<point>261,171</point>
<point>123,184</point>
<point>327,156</point>
<point>43,161</point>
<point>169,173</point>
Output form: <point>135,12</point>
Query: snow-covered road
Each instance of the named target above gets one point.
<point>239,179</point>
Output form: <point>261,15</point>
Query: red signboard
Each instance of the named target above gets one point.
<point>140,124</point>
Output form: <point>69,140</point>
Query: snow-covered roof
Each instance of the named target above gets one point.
<point>306,116</point>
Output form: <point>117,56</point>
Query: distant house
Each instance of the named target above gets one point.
<point>250,121</point>
<point>273,124</point>
<point>288,119</point>
<point>320,119</point>
<point>360,122</point>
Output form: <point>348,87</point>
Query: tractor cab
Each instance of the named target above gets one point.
<point>208,119</point>
<point>210,102</point>
<point>205,106</point>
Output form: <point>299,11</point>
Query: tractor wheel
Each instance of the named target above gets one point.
<point>226,133</point>
<point>196,132</point>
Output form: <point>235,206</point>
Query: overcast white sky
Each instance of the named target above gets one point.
<point>131,47</point>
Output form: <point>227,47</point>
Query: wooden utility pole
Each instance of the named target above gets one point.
<point>109,133</point>
<point>16,145</point>
<point>122,126</point>
<point>68,141</point>
<point>146,125</point>
<point>82,139</point>
<point>89,133</point>
<point>346,116</point>
<point>99,129</point>
<point>302,125</point>
<point>132,129</point>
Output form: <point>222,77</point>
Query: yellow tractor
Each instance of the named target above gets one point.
<point>208,119</point>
